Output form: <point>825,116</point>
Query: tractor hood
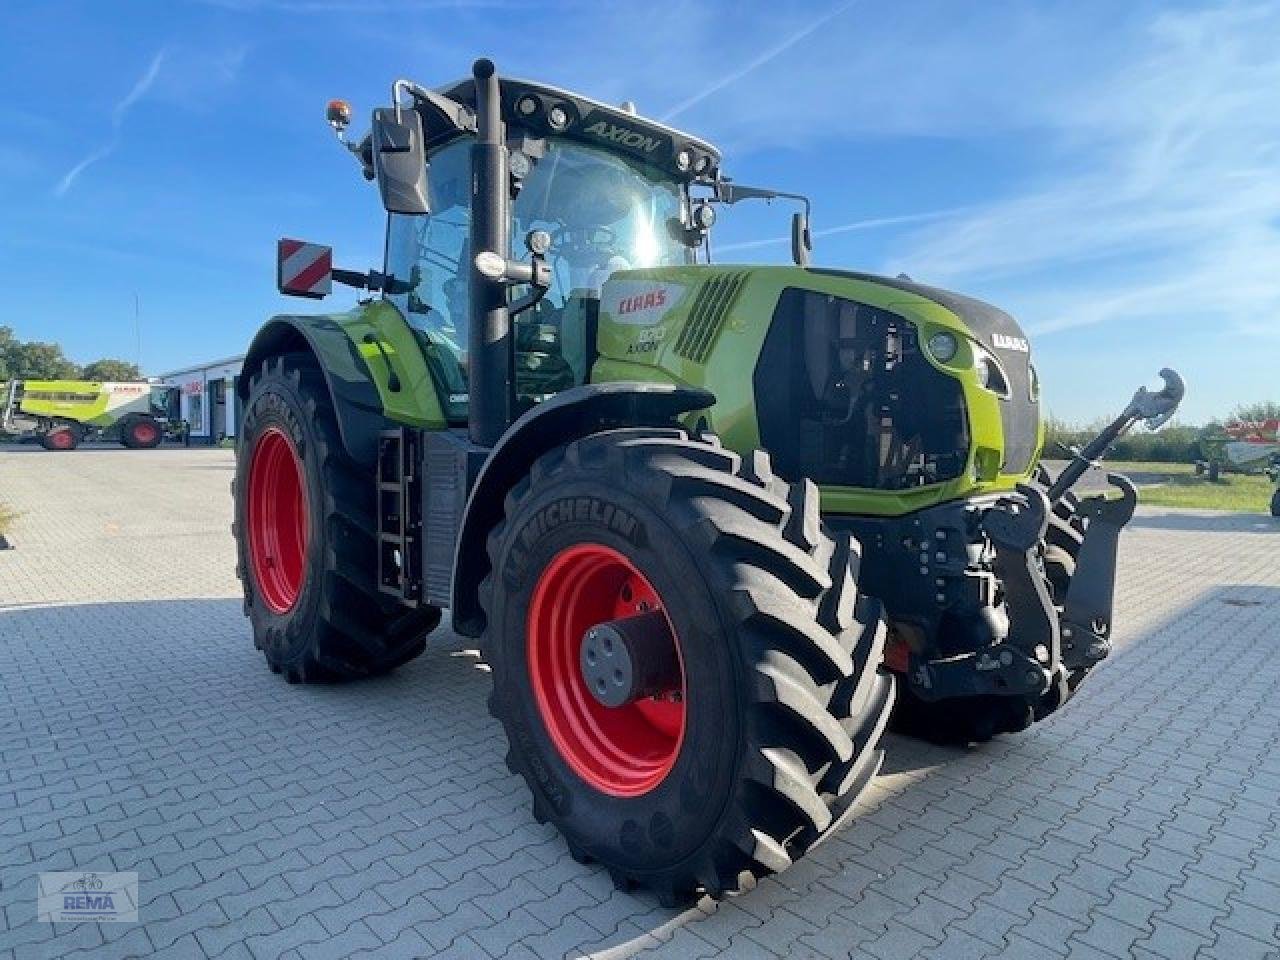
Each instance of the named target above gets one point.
<point>1001,334</point>
<point>808,357</point>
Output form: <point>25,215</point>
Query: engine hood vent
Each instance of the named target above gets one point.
<point>711,306</point>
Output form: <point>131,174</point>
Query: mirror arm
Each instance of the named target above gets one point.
<point>462,118</point>
<point>373,281</point>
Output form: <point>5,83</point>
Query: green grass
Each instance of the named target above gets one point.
<point>1236,492</point>
<point>7,517</point>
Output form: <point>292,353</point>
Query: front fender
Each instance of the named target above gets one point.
<point>566,417</point>
<point>355,398</point>
<point>372,365</point>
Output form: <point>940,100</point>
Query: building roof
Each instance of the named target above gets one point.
<point>239,358</point>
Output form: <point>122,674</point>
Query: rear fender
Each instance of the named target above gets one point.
<point>568,416</point>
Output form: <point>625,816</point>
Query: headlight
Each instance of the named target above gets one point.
<point>558,117</point>
<point>990,373</point>
<point>943,347</point>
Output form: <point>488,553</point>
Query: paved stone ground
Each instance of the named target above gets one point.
<point>139,730</point>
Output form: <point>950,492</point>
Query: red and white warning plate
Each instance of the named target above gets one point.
<point>304,269</point>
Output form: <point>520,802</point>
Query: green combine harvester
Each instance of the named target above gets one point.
<point>702,519</point>
<point>61,414</point>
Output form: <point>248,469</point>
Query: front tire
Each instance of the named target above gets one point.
<point>305,538</point>
<point>768,730</point>
<point>63,437</point>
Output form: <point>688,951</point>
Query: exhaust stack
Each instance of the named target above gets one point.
<point>489,347</point>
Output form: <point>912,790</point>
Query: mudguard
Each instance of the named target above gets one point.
<point>372,365</point>
<point>355,398</point>
<point>568,416</point>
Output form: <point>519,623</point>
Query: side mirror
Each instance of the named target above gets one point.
<point>801,240</point>
<point>400,160</point>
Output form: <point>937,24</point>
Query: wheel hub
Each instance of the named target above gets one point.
<point>277,520</point>
<point>624,741</point>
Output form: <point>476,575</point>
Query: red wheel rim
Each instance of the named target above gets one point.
<point>277,520</point>
<point>61,439</point>
<point>625,751</point>
<point>144,432</point>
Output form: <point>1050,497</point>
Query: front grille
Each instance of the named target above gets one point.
<point>711,306</point>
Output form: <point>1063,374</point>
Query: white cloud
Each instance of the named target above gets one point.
<point>872,223</point>
<point>755,63</point>
<point>118,113</point>
<point>1171,206</point>
<point>139,89</point>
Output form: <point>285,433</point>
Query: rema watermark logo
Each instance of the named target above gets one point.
<point>87,897</point>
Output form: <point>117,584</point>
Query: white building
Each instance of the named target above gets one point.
<point>209,400</point>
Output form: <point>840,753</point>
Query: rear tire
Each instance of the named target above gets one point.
<point>781,699</point>
<point>141,433</point>
<point>305,538</point>
<point>1275,503</point>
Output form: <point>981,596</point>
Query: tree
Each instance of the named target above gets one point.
<point>7,340</point>
<point>1257,412</point>
<point>32,360</point>
<point>114,370</point>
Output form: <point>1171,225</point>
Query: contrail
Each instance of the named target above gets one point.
<point>118,113</point>
<point>758,62</point>
<point>869,224</point>
<point>140,88</point>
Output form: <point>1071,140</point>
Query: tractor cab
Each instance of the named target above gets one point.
<point>601,211</point>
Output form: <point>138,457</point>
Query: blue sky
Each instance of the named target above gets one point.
<point>1108,172</point>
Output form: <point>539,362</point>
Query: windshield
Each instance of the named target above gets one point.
<point>603,214</point>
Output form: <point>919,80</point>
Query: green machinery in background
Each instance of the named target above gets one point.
<point>60,414</point>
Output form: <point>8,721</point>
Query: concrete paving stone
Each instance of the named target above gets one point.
<point>1051,929</point>
<point>1110,936</point>
<point>443,930</point>
<point>684,944</point>
<point>1152,796</point>
<point>990,923</point>
<point>1261,923</point>
<point>216,941</point>
<point>409,944</point>
<point>1231,945</point>
<point>500,936</point>
<point>164,932</point>
<point>355,938</point>
<point>306,930</point>
<point>1172,941</point>
<point>959,945</point>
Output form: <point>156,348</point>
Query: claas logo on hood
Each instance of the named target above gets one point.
<point>1006,342</point>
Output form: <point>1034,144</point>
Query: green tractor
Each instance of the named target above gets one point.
<point>702,519</point>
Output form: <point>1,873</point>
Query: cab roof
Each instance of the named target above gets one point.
<point>527,108</point>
